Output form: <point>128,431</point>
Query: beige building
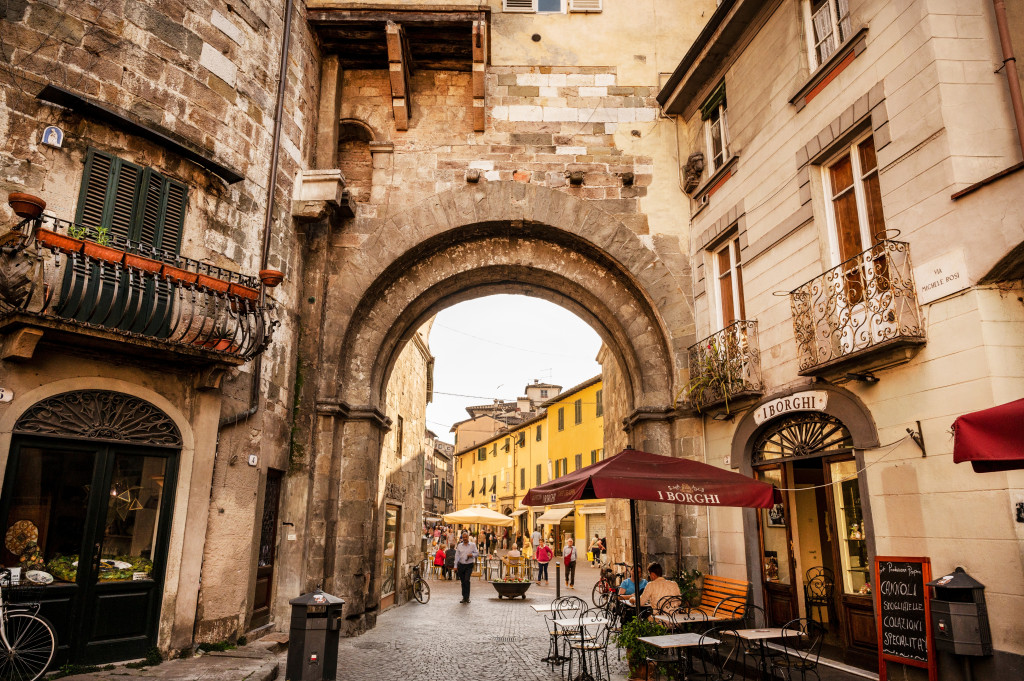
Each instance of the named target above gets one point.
<point>853,176</point>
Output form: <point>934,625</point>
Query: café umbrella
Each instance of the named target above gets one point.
<point>479,515</point>
<point>642,476</point>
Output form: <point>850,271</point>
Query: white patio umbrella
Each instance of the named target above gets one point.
<point>479,515</point>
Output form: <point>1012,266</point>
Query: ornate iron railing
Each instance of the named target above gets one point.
<point>54,269</point>
<point>867,302</point>
<point>725,365</point>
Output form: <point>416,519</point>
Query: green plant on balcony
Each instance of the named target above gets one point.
<point>714,372</point>
<point>103,235</point>
<point>76,231</point>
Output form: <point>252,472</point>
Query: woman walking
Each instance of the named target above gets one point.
<point>544,556</point>
<point>595,548</point>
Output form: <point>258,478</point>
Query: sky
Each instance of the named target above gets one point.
<point>492,347</point>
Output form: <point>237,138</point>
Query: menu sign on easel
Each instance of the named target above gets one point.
<point>904,618</point>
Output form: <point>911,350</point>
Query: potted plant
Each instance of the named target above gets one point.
<point>637,651</point>
<point>57,241</point>
<point>511,587</point>
<point>689,587</point>
<point>99,248</point>
<point>26,205</point>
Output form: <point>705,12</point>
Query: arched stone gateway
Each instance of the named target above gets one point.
<point>500,237</point>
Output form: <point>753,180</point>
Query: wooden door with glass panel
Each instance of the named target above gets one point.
<point>777,565</point>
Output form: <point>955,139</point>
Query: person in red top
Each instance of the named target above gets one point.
<point>439,559</point>
<point>544,555</point>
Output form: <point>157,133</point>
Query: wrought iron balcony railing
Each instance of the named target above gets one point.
<point>56,272</point>
<point>864,304</point>
<point>725,366</point>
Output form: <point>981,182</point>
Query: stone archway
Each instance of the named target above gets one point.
<point>496,237</point>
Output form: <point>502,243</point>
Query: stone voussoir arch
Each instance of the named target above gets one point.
<point>553,241</point>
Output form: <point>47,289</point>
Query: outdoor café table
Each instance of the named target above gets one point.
<point>554,657</point>
<point>761,636</point>
<point>679,642</point>
<point>543,608</point>
<point>684,618</point>
<point>581,623</point>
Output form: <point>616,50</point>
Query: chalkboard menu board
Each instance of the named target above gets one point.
<point>904,623</point>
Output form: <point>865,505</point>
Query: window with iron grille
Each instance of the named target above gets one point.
<point>578,409</point>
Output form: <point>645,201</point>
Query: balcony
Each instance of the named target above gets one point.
<point>725,366</point>
<point>78,287</point>
<point>862,313</point>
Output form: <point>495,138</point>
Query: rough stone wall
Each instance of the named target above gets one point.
<point>206,73</point>
<point>542,123</point>
<point>402,471</point>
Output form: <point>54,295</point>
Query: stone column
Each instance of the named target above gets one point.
<point>329,113</point>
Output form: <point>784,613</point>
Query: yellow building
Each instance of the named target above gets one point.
<point>497,472</point>
<point>575,423</point>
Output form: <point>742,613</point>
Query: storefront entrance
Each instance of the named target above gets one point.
<point>86,514</point>
<point>814,544</point>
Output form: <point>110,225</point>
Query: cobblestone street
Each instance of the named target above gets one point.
<point>445,640</point>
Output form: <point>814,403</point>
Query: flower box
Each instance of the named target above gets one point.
<point>213,283</point>
<point>179,274</point>
<point>142,263</point>
<point>58,241</point>
<point>243,292</point>
<point>101,252</point>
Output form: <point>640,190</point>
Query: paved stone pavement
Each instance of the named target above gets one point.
<point>445,640</point>
<point>250,663</point>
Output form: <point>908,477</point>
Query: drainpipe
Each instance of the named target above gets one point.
<point>257,367</point>
<point>1010,69</point>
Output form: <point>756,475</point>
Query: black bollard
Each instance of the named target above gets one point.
<point>558,580</point>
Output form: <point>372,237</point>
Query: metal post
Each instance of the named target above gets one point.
<point>558,581</point>
<point>637,568</point>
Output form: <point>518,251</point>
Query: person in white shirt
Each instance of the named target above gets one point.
<point>569,556</point>
<point>535,539</point>
<point>465,559</point>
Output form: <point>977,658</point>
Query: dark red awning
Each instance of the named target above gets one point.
<point>632,474</point>
<point>991,439</point>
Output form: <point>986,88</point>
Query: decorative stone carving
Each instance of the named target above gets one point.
<point>319,193</point>
<point>693,169</point>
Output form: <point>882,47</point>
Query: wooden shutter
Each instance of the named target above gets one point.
<point>519,5</point>
<point>161,214</point>
<point>110,189</point>
<point>584,5</point>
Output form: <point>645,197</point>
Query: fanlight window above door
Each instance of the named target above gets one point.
<point>807,434</point>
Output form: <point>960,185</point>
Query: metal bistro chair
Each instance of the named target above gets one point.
<point>801,651</point>
<point>716,655</point>
<point>591,646</point>
<point>563,608</point>
<point>754,617</point>
<point>819,592</point>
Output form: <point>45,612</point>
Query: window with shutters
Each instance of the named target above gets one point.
<point>539,469</point>
<point>561,418</point>
<point>538,6</point>
<point>578,411</point>
<point>481,454</point>
<point>522,478</point>
<point>585,5</point>
<point>138,210</point>
<point>538,434</point>
<point>599,399</point>
<point>579,461</point>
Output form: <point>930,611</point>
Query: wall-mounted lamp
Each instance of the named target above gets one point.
<point>723,416</point>
<point>865,377</point>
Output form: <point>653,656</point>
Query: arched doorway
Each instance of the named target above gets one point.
<point>86,505</point>
<point>496,237</point>
<point>814,549</point>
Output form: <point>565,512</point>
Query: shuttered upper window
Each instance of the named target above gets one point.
<point>135,204</point>
<point>539,5</point>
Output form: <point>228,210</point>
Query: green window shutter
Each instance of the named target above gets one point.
<point>92,198</point>
<point>160,216</point>
<point>710,104</point>
<point>109,193</point>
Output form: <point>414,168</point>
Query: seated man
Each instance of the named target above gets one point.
<point>657,588</point>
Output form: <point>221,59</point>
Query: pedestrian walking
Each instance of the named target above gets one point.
<point>465,559</point>
<point>449,561</point>
<point>535,539</point>
<point>544,555</point>
<point>595,550</point>
<point>569,556</point>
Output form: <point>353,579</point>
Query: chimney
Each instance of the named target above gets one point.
<point>523,404</point>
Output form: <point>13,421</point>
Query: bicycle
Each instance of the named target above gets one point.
<point>420,589</point>
<point>27,641</point>
<point>606,587</point>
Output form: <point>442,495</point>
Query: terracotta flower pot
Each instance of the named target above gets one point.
<point>101,252</point>
<point>58,241</point>
<point>26,205</point>
<point>213,283</point>
<point>271,278</point>
<point>142,263</point>
<point>179,274</point>
<point>244,292</point>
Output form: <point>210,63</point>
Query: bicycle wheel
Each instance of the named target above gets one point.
<point>32,643</point>
<point>600,595</point>
<point>421,591</point>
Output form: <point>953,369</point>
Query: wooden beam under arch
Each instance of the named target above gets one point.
<point>398,66</point>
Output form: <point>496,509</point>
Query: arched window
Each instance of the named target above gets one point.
<point>807,434</point>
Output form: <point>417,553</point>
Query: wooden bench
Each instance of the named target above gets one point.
<point>724,597</point>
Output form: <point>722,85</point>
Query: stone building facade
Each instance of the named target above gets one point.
<point>855,249</point>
